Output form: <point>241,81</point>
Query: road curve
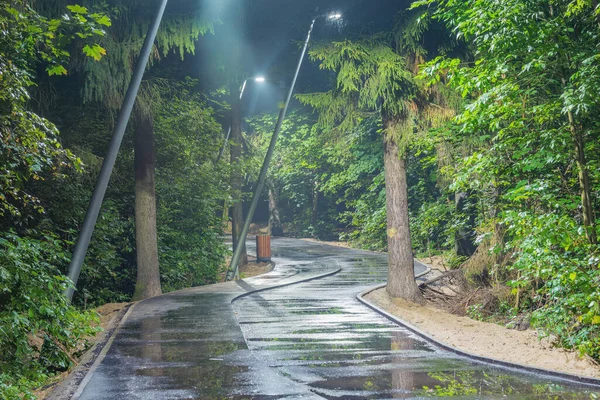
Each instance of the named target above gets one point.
<point>308,340</point>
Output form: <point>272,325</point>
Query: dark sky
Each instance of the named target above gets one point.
<point>271,33</point>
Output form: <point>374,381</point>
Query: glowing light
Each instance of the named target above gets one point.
<point>334,16</point>
<point>260,79</point>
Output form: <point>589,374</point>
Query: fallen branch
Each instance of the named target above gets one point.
<point>440,277</point>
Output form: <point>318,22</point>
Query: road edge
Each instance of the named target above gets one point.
<point>571,378</point>
<point>71,384</point>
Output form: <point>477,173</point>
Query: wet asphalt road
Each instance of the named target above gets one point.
<point>311,340</point>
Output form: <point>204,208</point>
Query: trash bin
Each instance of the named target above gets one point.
<point>263,248</point>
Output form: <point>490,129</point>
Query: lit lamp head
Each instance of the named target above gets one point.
<point>334,16</point>
<point>260,79</point>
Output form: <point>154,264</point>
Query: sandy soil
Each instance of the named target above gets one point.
<point>254,269</point>
<point>249,270</point>
<point>486,339</point>
<point>435,262</point>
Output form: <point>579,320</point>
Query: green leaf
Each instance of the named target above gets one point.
<point>102,19</point>
<point>56,70</point>
<point>572,276</point>
<point>77,9</point>
<point>96,52</point>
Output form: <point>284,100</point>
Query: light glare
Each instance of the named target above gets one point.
<point>334,16</point>
<point>259,79</point>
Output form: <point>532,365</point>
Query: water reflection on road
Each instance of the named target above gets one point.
<point>312,340</point>
<point>318,336</point>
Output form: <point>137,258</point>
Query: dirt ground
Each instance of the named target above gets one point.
<point>249,270</point>
<point>486,339</point>
<point>254,269</point>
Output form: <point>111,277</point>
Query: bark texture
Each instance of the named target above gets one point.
<point>587,209</point>
<point>401,275</point>
<point>237,210</point>
<point>464,240</point>
<point>275,227</point>
<point>148,275</point>
<point>314,216</point>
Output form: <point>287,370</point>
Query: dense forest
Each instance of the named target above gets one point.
<point>464,130</point>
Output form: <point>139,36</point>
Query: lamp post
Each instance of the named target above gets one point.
<point>108,164</point>
<point>257,79</point>
<point>233,267</point>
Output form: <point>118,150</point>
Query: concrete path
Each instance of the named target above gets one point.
<point>309,340</point>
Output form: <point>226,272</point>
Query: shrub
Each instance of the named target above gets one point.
<point>39,329</point>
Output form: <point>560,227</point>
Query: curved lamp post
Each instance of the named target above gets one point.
<point>257,79</point>
<point>234,266</point>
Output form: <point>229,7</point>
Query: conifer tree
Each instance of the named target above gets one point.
<point>378,74</point>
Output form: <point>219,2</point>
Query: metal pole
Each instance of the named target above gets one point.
<point>109,161</point>
<point>233,267</point>
<point>229,130</point>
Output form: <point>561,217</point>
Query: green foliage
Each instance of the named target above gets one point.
<point>190,191</point>
<point>106,82</point>
<point>33,310</point>
<point>554,258</point>
<point>526,146</point>
<point>29,148</point>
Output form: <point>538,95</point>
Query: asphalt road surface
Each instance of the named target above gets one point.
<point>309,340</point>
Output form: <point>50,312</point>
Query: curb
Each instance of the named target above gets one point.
<point>514,367</point>
<point>72,382</point>
<point>101,356</point>
<point>310,278</point>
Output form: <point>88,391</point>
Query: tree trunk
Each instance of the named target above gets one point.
<point>237,211</point>
<point>401,274</point>
<point>148,275</point>
<point>584,181</point>
<point>464,238</point>
<point>314,216</point>
<point>275,227</point>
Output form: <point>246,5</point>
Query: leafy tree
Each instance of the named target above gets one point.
<point>32,305</point>
<point>29,147</point>
<point>532,102</point>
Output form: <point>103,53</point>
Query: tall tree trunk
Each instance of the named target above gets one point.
<point>148,275</point>
<point>584,181</point>
<point>401,274</point>
<point>464,238</point>
<point>237,210</point>
<point>314,216</point>
<point>275,227</point>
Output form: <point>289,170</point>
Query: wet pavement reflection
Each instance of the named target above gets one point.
<point>319,336</point>
<point>310,340</point>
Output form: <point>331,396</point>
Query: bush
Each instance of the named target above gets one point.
<point>555,259</point>
<point>38,327</point>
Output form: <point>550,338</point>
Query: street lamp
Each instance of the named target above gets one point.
<point>237,252</point>
<point>257,79</point>
<point>91,215</point>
